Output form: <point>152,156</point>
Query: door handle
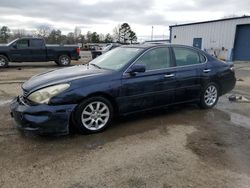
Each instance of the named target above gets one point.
<point>169,76</point>
<point>207,70</point>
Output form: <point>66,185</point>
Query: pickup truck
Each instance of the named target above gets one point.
<point>35,50</point>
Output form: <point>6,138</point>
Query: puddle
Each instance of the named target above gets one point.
<point>240,120</point>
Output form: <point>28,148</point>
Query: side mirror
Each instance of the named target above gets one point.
<point>136,69</point>
<point>14,46</point>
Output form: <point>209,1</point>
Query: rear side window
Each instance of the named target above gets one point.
<point>23,43</point>
<point>186,56</point>
<point>158,58</point>
<point>36,43</point>
<point>202,58</point>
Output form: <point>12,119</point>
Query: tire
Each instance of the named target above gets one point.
<point>89,121</point>
<point>4,62</point>
<point>63,60</point>
<point>209,96</point>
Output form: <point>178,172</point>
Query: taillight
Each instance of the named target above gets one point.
<point>78,50</point>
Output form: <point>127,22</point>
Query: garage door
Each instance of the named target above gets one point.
<point>242,43</point>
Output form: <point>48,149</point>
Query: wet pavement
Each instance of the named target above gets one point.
<point>181,146</point>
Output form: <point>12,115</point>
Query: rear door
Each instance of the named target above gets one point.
<point>190,65</point>
<point>37,50</point>
<point>20,52</point>
<point>153,88</point>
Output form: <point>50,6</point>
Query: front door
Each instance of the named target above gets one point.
<point>20,51</point>
<point>153,88</point>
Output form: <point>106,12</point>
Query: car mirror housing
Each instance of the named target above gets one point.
<point>14,45</point>
<point>136,69</point>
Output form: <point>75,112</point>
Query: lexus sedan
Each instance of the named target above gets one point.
<point>122,81</point>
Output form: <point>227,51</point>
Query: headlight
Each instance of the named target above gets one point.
<point>44,95</point>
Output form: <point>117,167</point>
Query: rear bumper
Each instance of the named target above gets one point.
<point>42,119</point>
<point>228,85</point>
<point>76,57</point>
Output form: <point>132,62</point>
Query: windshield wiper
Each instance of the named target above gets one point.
<point>95,65</point>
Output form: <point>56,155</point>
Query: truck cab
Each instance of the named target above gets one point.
<point>35,50</point>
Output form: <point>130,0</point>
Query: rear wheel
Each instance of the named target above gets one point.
<point>63,60</point>
<point>4,62</point>
<point>93,115</point>
<point>209,96</point>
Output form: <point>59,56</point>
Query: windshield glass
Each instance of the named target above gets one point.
<point>106,48</point>
<point>115,59</point>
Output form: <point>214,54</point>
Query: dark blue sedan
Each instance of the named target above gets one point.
<point>125,80</point>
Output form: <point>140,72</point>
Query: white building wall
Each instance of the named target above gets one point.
<point>215,35</point>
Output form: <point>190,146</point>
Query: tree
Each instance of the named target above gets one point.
<point>89,37</point>
<point>95,38</point>
<point>77,32</point>
<point>132,37</point>
<point>81,39</point>
<point>101,37</point>
<point>4,34</point>
<point>108,38</point>
<point>117,34</point>
<point>124,34</point>
<point>43,30</point>
<point>55,37</point>
<point>70,38</point>
<point>18,33</point>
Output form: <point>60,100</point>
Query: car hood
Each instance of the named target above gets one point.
<point>61,76</point>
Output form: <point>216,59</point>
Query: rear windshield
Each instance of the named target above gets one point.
<point>116,59</point>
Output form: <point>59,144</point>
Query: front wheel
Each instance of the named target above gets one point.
<point>93,115</point>
<point>63,60</point>
<point>4,62</point>
<point>209,96</point>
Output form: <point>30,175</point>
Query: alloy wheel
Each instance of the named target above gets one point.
<point>210,96</point>
<point>95,116</point>
<point>2,62</point>
<point>65,61</point>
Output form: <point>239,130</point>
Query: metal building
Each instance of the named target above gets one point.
<point>227,39</point>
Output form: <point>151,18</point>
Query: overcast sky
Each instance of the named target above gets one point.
<point>103,15</point>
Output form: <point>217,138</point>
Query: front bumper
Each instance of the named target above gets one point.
<point>42,119</point>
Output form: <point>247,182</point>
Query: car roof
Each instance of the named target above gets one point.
<point>32,38</point>
<point>148,46</point>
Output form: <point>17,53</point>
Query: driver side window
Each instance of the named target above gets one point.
<point>22,43</point>
<point>158,58</point>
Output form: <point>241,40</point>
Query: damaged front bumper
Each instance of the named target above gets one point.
<point>42,119</point>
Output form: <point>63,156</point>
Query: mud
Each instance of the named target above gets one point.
<point>181,146</point>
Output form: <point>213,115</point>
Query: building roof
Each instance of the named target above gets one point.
<point>219,20</point>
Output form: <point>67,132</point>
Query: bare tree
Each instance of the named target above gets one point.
<point>43,30</point>
<point>18,33</point>
<point>77,32</point>
<point>117,33</point>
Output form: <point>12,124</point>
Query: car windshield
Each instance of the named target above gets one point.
<point>106,48</point>
<point>115,59</point>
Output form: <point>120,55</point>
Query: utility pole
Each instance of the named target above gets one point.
<point>152,33</point>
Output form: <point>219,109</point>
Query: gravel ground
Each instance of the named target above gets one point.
<point>181,146</point>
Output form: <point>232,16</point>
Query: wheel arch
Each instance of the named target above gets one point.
<point>6,55</point>
<point>106,96</point>
<point>219,84</point>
